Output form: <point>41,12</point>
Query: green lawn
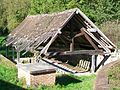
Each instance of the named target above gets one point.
<point>9,81</point>
<point>114,77</point>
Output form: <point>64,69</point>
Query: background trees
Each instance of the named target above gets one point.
<point>12,12</point>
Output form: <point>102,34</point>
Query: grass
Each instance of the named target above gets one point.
<point>8,75</point>
<point>9,81</point>
<point>114,77</point>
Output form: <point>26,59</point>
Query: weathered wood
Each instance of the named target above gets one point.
<point>89,52</point>
<point>7,51</point>
<point>78,35</point>
<point>98,41</point>
<point>44,50</point>
<point>89,39</point>
<point>18,57</point>
<point>72,45</point>
<point>102,62</point>
<point>94,26</point>
<point>62,40</point>
<point>13,53</point>
<point>93,64</point>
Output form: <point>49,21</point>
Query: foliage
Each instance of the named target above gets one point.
<point>112,30</point>
<point>12,12</point>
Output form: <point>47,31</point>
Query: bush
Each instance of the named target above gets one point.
<point>112,30</point>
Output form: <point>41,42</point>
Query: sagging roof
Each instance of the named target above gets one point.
<point>38,29</point>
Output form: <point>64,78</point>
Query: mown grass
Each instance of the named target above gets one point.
<point>114,77</point>
<point>8,80</point>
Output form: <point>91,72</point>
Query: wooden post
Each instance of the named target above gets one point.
<point>18,57</point>
<point>6,51</point>
<point>13,53</point>
<point>72,45</point>
<point>93,64</point>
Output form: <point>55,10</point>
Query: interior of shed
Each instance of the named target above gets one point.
<point>71,39</point>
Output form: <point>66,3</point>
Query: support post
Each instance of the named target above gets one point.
<point>93,64</point>
<point>72,45</point>
<point>18,57</point>
<point>6,51</point>
<point>13,53</point>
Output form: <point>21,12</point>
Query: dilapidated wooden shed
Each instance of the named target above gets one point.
<point>69,32</point>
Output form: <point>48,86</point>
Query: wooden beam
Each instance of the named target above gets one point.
<point>72,45</point>
<point>18,57</point>
<point>93,64</point>
<point>7,51</point>
<point>44,50</point>
<point>98,41</point>
<point>89,39</point>
<point>88,52</point>
<point>78,35</point>
<point>94,26</point>
<point>13,53</point>
<point>102,62</point>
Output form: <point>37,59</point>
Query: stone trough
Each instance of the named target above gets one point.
<point>37,73</point>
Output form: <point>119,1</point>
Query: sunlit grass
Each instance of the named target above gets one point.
<point>114,77</point>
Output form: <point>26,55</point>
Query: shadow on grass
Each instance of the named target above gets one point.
<point>66,79</point>
<point>9,86</point>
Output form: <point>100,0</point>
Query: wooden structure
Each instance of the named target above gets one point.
<point>67,33</point>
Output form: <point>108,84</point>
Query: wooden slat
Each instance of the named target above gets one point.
<point>88,52</point>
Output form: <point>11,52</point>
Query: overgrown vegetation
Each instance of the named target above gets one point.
<point>12,12</point>
<point>114,77</point>
<point>8,80</point>
<point>112,30</point>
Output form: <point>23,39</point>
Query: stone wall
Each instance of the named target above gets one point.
<point>43,79</point>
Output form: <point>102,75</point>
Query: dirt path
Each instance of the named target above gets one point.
<point>101,82</point>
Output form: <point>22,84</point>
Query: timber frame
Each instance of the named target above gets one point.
<point>68,32</point>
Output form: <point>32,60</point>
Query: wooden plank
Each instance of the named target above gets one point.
<point>93,64</point>
<point>44,50</point>
<point>98,41</point>
<point>18,57</point>
<point>88,52</point>
<point>13,53</point>
<point>78,35</point>
<point>7,51</point>
<point>89,39</point>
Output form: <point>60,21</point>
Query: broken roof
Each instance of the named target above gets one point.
<point>38,29</point>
